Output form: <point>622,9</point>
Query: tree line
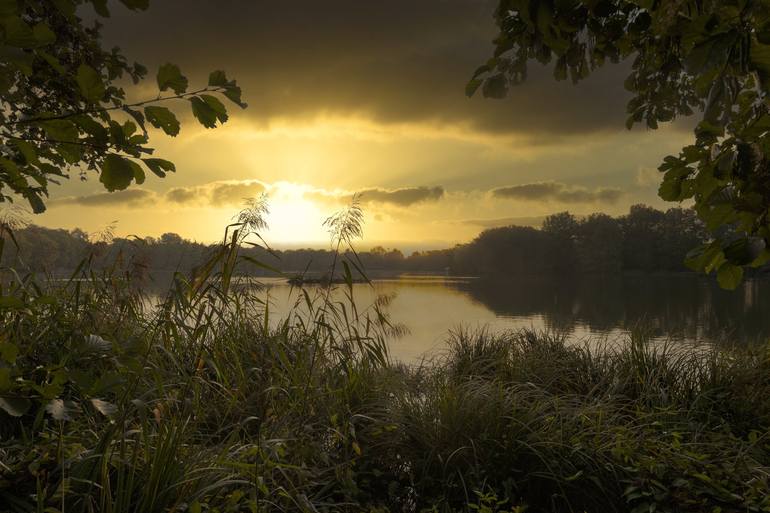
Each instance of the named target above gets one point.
<point>645,240</point>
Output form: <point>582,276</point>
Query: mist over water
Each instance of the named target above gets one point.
<point>679,308</point>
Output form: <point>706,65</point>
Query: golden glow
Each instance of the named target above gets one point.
<point>309,170</point>
<point>292,217</point>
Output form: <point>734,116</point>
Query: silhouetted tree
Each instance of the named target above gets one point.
<point>599,244</point>
<point>564,228</point>
<point>642,238</point>
<point>682,56</point>
<point>645,240</point>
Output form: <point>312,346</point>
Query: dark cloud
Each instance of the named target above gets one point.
<point>559,192</point>
<point>129,198</point>
<point>217,193</point>
<point>402,197</point>
<point>235,193</point>
<point>183,195</point>
<point>394,61</point>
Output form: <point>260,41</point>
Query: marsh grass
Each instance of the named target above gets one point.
<point>203,404</point>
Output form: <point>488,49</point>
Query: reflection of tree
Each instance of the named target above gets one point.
<point>665,305</point>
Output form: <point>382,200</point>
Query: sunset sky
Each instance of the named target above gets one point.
<point>350,96</point>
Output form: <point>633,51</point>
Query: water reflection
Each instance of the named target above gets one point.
<point>689,308</point>
<point>683,307</point>
<point>678,306</point>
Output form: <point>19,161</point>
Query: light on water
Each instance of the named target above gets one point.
<point>686,308</point>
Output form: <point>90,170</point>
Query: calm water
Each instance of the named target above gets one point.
<point>685,308</point>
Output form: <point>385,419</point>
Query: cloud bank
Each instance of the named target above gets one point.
<point>558,192</point>
<point>404,197</point>
<point>217,194</point>
<point>398,61</point>
<point>132,198</point>
<point>234,193</point>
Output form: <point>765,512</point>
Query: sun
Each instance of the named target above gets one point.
<point>293,218</point>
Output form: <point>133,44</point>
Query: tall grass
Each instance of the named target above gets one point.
<point>206,404</point>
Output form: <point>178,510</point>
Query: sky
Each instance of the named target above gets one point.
<point>349,97</point>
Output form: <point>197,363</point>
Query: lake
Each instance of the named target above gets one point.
<point>677,307</point>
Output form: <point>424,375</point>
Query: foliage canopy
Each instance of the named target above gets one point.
<point>63,108</point>
<point>709,56</point>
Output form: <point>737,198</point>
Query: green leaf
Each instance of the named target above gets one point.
<point>472,86</point>
<point>60,130</point>
<point>495,87</point>
<point>35,201</point>
<point>43,34</point>
<point>117,172</point>
<point>203,113</point>
<point>27,150</point>
<point>744,251</point>
<point>169,77</point>
<point>138,116</point>
<point>705,258</point>
<point>138,172</point>
<point>128,129</point>
<point>161,117</point>
<point>208,110</point>
<point>762,259</point>
<point>670,189</point>
<point>52,61</point>
<point>8,352</point>
<point>11,302</point>
<point>231,90</point>
<point>218,78</point>
<point>14,178</point>
<point>233,93</point>
<point>709,54</point>
<point>261,265</point>
<point>216,106</point>
<point>729,276</point>
<point>93,128</point>
<point>90,83</point>
<point>18,33</point>
<point>15,406</point>
<point>159,166</point>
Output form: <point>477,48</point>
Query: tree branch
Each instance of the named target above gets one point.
<point>118,107</point>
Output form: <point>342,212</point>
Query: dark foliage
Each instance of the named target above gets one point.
<point>645,239</point>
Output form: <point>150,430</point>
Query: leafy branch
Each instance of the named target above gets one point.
<point>59,102</point>
<point>123,107</point>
